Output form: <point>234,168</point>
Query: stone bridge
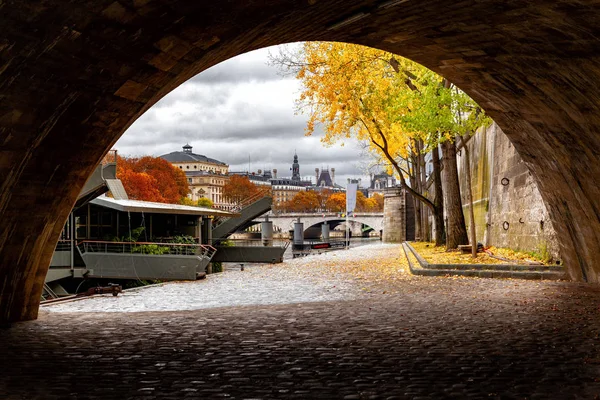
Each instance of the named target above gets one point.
<point>75,75</point>
<point>285,222</point>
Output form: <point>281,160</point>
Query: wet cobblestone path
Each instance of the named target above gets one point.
<point>400,337</point>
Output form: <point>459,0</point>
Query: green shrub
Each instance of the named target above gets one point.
<point>217,267</point>
<point>153,249</point>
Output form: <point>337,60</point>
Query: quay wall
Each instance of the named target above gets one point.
<point>508,207</point>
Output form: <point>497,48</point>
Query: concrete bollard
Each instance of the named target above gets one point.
<point>266,233</point>
<point>325,232</point>
<point>298,233</point>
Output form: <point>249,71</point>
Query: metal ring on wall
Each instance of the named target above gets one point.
<point>505,181</point>
<point>505,225</point>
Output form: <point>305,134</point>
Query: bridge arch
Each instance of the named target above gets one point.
<point>73,85</point>
<point>285,222</point>
<point>315,229</point>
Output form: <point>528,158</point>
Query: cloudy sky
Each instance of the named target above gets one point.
<point>238,110</point>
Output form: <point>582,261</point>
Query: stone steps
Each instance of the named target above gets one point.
<point>514,271</point>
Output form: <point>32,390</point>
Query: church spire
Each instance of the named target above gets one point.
<point>295,168</point>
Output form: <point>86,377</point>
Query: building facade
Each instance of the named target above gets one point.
<point>380,182</point>
<point>206,176</point>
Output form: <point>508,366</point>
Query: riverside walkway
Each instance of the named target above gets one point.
<point>343,325</point>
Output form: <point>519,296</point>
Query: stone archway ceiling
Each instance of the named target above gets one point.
<point>74,76</point>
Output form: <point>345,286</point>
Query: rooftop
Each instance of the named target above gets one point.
<point>156,208</point>
<point>188,156</point>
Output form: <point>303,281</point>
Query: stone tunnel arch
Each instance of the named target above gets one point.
<point>72,85</point>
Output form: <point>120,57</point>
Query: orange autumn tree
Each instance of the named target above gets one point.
<point>305,201</point>
<point>378,198</point>
<point>336,202</point>
<point>152,179</point>
<point>239,189</point>
<point>311,201</point>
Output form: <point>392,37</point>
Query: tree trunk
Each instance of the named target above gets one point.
<point>419,188</point>
<point>470,193</point>
<point>438,201</point>
<point>456,233</point>
<point>424,211</point>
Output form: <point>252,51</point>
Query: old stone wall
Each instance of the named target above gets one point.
<point>394,221</point>
<point>509,210</point>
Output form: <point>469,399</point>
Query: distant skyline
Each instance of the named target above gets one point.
<point>238,109</point>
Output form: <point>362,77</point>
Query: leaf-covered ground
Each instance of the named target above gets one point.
<point>439,255</point>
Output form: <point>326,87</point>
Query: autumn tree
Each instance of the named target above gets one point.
<point>336,202</point>
<point>152,179</point>
<point>373,204</point>
<point>303,201</point>
<point>379,200</point>
<point>390,102</point>
<point>239,189</point>
<point>201,202</point>
<point>204,202</point>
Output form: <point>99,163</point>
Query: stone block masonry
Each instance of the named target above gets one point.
<point>509,209</point>
<point>394,216</point>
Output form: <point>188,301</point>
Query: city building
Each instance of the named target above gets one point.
<point>284,189</point>
<point>325,181</point>
<point>206,176</point>
<point>259,178</point>
<point>379,182</point>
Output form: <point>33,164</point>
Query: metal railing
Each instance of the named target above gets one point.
<point>249,200</point>
<point>109,158</point>
<point>237,208</point>
<point>147,248</point>
<point>251,243</point>
<point>63,245</point>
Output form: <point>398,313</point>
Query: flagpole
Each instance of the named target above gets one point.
<point>350,206</point>
<point>347,228</point>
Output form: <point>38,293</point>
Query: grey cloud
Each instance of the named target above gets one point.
<point>197,94</point>
<point>247,67</point>
<point>243,109</point>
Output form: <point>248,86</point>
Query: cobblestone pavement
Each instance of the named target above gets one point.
<point>401,337</point>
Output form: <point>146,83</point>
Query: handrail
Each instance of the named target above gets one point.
<point>254,242</point>
<point>249,200</point>
<point>243,204</point>
<point>109,158</point>
<point>142,243</point>
<point>63,245</point>
<point>148,248</point>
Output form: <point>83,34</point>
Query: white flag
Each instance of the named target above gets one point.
<point>351,197</point>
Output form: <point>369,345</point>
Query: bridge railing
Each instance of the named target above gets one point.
<point>283,243</point>
<point>326,214</point>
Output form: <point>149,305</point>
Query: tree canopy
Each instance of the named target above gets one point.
<point>152,179</point>
<point>239,188</point>
<point>311,201</point>
<point>384,100</point>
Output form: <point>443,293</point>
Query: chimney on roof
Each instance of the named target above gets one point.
<point>333,176</point>
<point>275,173</point>
<point>316,175</point>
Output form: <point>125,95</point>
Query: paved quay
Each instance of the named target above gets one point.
<point>381,334</point>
